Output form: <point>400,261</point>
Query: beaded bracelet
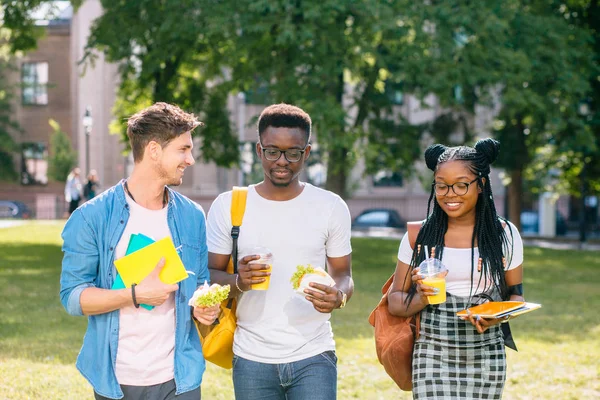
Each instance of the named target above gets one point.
<point>236,283</point>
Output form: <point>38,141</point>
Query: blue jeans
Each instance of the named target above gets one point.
<point>314,378</point>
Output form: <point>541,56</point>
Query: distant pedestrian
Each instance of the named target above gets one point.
<point>73,189</point>
<point>91,186</point>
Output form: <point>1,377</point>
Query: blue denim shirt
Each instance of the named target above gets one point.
<point>90,239</point>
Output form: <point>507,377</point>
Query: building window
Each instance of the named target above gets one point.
<point>34,164</point>
<point>259,93</point>
<point>394,93</point>
<point>34,82</point>
<point>457,93</point>
<point>387,179</point>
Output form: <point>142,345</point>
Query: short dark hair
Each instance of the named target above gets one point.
<point>284,116</point>
<point>161,122</point>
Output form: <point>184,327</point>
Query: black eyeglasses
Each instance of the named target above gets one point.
<point>292,155</point>
<point>459,188</point>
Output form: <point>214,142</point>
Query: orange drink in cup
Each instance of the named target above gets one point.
<point>434,273</point>
<point>266,258</point>
<point>440,284</point>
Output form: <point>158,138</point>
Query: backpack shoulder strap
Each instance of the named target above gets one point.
<point>238,204</point>
<point>238,207</point>
<point>413,231</point>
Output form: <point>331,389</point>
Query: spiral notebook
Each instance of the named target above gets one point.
<point>500,309</point>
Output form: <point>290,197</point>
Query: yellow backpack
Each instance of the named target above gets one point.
<point>217,339</point>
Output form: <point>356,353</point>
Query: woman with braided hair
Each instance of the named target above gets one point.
<point>455,358</point>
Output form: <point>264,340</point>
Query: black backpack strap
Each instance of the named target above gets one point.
<point>235,233</point>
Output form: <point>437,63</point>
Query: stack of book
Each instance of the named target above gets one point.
<point>140,259</point>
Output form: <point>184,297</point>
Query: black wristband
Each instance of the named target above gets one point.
<point>135,303</point>
<point>516,290</point>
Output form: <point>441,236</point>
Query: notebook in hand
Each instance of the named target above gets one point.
<point>134,267</point>
<point>137,241</point>
<point>500,309</point>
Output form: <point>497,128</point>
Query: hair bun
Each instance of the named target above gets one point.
<point>432,155</point>
<point>488,148</point>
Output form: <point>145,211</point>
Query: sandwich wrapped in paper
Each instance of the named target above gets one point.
<point>208,296</point>
<point>306,274</point>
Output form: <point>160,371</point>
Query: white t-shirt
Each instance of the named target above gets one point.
<point>278,325</point>
<point>458,280</point>
<point>145,354</point>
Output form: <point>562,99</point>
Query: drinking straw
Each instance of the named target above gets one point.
<point>427,261</point>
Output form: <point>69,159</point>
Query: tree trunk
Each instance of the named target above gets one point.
<point>515,189</point>
<point>163,79</point>
<point>336,171</point>
<point>337,163</point>
<point>515,193</point>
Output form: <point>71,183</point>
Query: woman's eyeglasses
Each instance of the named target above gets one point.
<point>459,188</point>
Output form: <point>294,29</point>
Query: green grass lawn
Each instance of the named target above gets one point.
<point>559,344</point>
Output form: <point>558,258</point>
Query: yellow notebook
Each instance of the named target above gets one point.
<point>134,267</point>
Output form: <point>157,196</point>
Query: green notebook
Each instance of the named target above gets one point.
<point>137,241</point>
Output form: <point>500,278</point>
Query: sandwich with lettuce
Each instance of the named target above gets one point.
<point>208,296</point>
<point>306,274</point>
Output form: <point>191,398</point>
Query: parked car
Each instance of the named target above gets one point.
<point>530,223</point>
<point>14,209</point>
<point>384,221</point>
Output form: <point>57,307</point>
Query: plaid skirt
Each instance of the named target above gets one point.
<point>452,360</point>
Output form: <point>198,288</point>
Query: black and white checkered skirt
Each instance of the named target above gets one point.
<point>452,360</point>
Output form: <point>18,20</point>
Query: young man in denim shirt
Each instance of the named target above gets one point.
<point>129,351</point>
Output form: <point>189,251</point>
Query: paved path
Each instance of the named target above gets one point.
<point>556,243</point>
<point>7,223</point>
<point>561,245</point>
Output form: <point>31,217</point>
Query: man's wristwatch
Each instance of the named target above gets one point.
<point>344,298</point>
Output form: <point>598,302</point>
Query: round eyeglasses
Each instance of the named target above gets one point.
<point>459,188</point>
<point>292,155</point>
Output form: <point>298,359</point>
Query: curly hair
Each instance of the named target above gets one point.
<point>284,116</point>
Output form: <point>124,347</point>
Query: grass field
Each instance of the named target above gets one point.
<point>559,344</point>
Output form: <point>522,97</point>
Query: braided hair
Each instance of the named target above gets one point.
<point>488,232</point>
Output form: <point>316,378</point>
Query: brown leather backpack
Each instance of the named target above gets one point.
<point>395,336</point>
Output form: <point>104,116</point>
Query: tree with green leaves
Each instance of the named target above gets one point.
<point>580,163</point>
<point>344,61</point>
<point>164,55</point>
<point>339,60</point>
<point>62,156</point>
<point>522,57</point>
<point>8,127</point>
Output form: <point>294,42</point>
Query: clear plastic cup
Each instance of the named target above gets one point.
<point>434,275</point>
<point>266,257</point>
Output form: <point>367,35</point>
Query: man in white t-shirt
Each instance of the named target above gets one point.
<point>129,351</point>
<point>284,347</point>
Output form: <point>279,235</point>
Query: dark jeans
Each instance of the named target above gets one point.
<point>162,391</point>
<point>314,378</point>
<point>73,204</point>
